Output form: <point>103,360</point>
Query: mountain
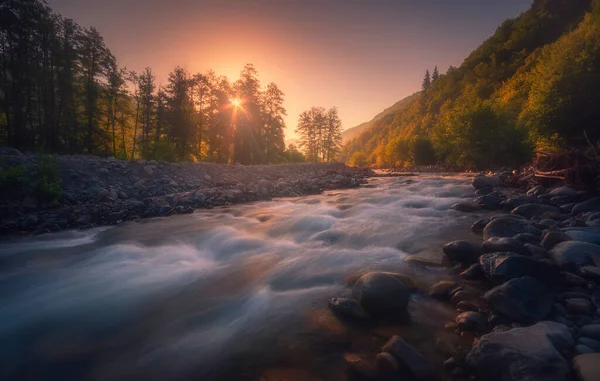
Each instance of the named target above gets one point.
<point>530,86</point>
<point>353,132</point>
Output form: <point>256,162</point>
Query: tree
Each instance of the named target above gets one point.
<point>179,111</point>
<point>426,81</point>
<point>320,133</point>
<point>274,112</point>
<point>435,75</point>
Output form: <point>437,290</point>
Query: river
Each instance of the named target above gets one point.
<point>235,293</point>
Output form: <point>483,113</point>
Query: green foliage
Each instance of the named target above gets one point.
<point>293,155</point>
<point>13,180</point>
<point>162,150</point>
<point>47,179</point>
<point>358,159</point>
<point>42,182</point>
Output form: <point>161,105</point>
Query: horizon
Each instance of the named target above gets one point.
<point>313,68</point>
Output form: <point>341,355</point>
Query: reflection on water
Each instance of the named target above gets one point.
<point>234,293</point>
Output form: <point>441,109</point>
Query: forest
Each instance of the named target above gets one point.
<point>532,86</point>
<point>63,92</point>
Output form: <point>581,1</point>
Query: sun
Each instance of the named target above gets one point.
<point>236,102</point>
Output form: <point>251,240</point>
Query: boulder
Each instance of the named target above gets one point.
<point>579,306</point>
<point>466,206</point>
<point>536,190</point>
<point>7,151</point>
<point>473,272</point>
<point>552,238</point>
<point>591,343</point>
<point>582,349</point>
<point>523,354</point>
<point>442,289</point>
<point>471,321</point>
<point>590,272</point>
<point>462,251</point>
<point>590,205</point>
<point>535,210</point>
<point>587,366</point>
<point>480,224</point>
<point>381,293</point>
<point>490,201</point>
<point>522,299</point>
<point>591,331</point>
<point>482,181</point>
<point>563,191</point>
<point>508,227</point>
<point>513,202</point>
<point>584,236</point>
<point>576,254</point>
<point>348,308</point>
<point>410,358</point>
<point>502,267</point>
<point>504,244</point>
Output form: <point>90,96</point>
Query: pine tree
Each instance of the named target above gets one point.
<point>435,75</point>
<point>426,80</point>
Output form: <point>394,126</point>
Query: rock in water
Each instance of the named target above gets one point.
<point>535,210</point>
<point>462,251</point>
<point>504,244</point>
<point>348,307</point>
<point>502,267</point>
<point>381,293</point>
<point>587,206</point>
<point>471,321</point>
<point>408,357</point>
<point>508,227</point>
<point>587,366</point>
<point>523,354</point>
<point>574,254</point>
<point>482,181</point>
<point>522,299</point>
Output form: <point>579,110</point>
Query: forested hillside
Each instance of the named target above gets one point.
<point>355,131</point>
<point>532,85</point>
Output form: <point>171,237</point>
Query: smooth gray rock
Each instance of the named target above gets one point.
<point>552,238</point>
<point>563,191</point>
<point>522,299</point>
<point>536,190</point>
<point>504,244</point>
<point>535,210</point>
<point>579,306</point>
<point>587,366</point>
<point>591,331</point>
<point>381,293</point>
<point>442,289</point>
<point>523,354</point>
<point>462,251</point>
<point>508,227</point>
<point>584,236</point>
<point>502,267</point>
<point>471,321</point>
<point>408,357</point>
<point>591,343</point>
<point>482,181</point>
<point>587,206</point>
<point>582,349</point>
<point>571,254</point>
<point>349,308</point>
<point>466,206</point>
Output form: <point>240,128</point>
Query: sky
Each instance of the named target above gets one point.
<point>359,55</point>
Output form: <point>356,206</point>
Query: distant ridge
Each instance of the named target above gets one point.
<point>353,132</point>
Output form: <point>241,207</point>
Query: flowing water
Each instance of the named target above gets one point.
<point>237,293</point>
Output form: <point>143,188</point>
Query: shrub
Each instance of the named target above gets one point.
<point>47,179</point>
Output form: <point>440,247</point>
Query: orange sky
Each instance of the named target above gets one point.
<point>359,55</point>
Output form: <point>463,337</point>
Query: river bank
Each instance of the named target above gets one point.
<point>527,297</point>
<point>104,191</point>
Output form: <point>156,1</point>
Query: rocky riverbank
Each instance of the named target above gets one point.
<point>98,191</point>
<point>527,298</point>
